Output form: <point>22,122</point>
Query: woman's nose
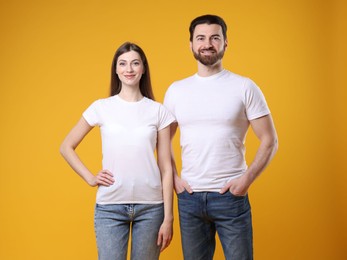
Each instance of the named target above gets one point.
<point>129,68</point>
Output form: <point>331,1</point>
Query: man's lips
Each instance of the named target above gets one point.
<point>207,52</point>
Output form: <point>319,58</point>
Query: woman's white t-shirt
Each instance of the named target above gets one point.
<point>129,138</point>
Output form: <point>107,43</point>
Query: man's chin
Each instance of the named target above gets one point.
<point>208,62</point>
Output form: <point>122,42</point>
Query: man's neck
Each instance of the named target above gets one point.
<point>206,71</point>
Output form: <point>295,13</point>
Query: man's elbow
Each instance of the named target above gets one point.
<point>274,145</point>
<point>271,143</point>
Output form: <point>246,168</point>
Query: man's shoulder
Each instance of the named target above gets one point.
<point>183,82</point>
<point>236,76</point>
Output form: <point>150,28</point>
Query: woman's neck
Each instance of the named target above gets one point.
<point>130,94</point>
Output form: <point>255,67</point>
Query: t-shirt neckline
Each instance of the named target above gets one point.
<point>129,102</point>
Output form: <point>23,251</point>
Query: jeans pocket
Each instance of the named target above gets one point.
<point>181,193</point>
<point>237,196</point>
<point>184,196</point>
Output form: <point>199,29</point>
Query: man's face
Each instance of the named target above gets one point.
<point>208,44</point>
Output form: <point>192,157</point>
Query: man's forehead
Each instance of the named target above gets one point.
<point>208,29</point>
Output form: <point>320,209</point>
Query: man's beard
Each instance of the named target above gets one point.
<point>209,60</point>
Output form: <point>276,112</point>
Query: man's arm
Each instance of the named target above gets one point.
<point>179,184</point>
<point>265,131</point>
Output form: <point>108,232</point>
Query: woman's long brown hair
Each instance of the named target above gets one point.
<point>145,81</point>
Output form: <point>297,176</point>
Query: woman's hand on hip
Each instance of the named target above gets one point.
<point>102,178</point>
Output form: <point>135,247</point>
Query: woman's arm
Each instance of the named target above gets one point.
<point>67,150</point>
<point>164,163</point>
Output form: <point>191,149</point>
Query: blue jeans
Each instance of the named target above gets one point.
<point>202,214</point>
<point>114,223</point>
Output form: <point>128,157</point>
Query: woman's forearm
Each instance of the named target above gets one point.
<point>76,164</point>
<point>68,146</point>
<point>167,183</point>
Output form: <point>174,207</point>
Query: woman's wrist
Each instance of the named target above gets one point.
<point>168,219</point>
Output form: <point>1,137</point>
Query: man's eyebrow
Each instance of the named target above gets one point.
<point>213,35</point>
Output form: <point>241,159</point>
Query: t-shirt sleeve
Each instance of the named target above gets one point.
<point>255,102</point>
<point>91,114</point>
<point>168,101</point>
<point>165,117</point>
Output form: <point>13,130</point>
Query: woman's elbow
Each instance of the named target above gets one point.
<point>64,148</point>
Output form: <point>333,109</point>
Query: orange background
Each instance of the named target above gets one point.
<point>56,58</point>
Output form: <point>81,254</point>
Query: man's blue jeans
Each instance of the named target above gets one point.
<point>113,224</point>
<point>204,213</point>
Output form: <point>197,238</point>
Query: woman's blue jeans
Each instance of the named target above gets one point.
<point>202,214</point>
<point>114,223</point>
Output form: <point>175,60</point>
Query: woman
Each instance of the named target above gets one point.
<point>134,188</point>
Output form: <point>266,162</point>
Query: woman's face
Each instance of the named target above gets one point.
<point>130,68</point>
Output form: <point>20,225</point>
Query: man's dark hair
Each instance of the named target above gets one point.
<point>207,19</point>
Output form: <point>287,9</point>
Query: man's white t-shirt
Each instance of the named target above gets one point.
<point>213,115</point>
<point>129,138</point>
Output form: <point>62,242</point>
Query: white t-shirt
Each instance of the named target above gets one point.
<point>213,115</point>
<point>129,138</point>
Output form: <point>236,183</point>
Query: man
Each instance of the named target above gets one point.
<point>213,110</point>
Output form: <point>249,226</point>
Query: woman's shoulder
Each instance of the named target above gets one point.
<point>102,102</point>
<point>151,102</point>
<point>155,105</point>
